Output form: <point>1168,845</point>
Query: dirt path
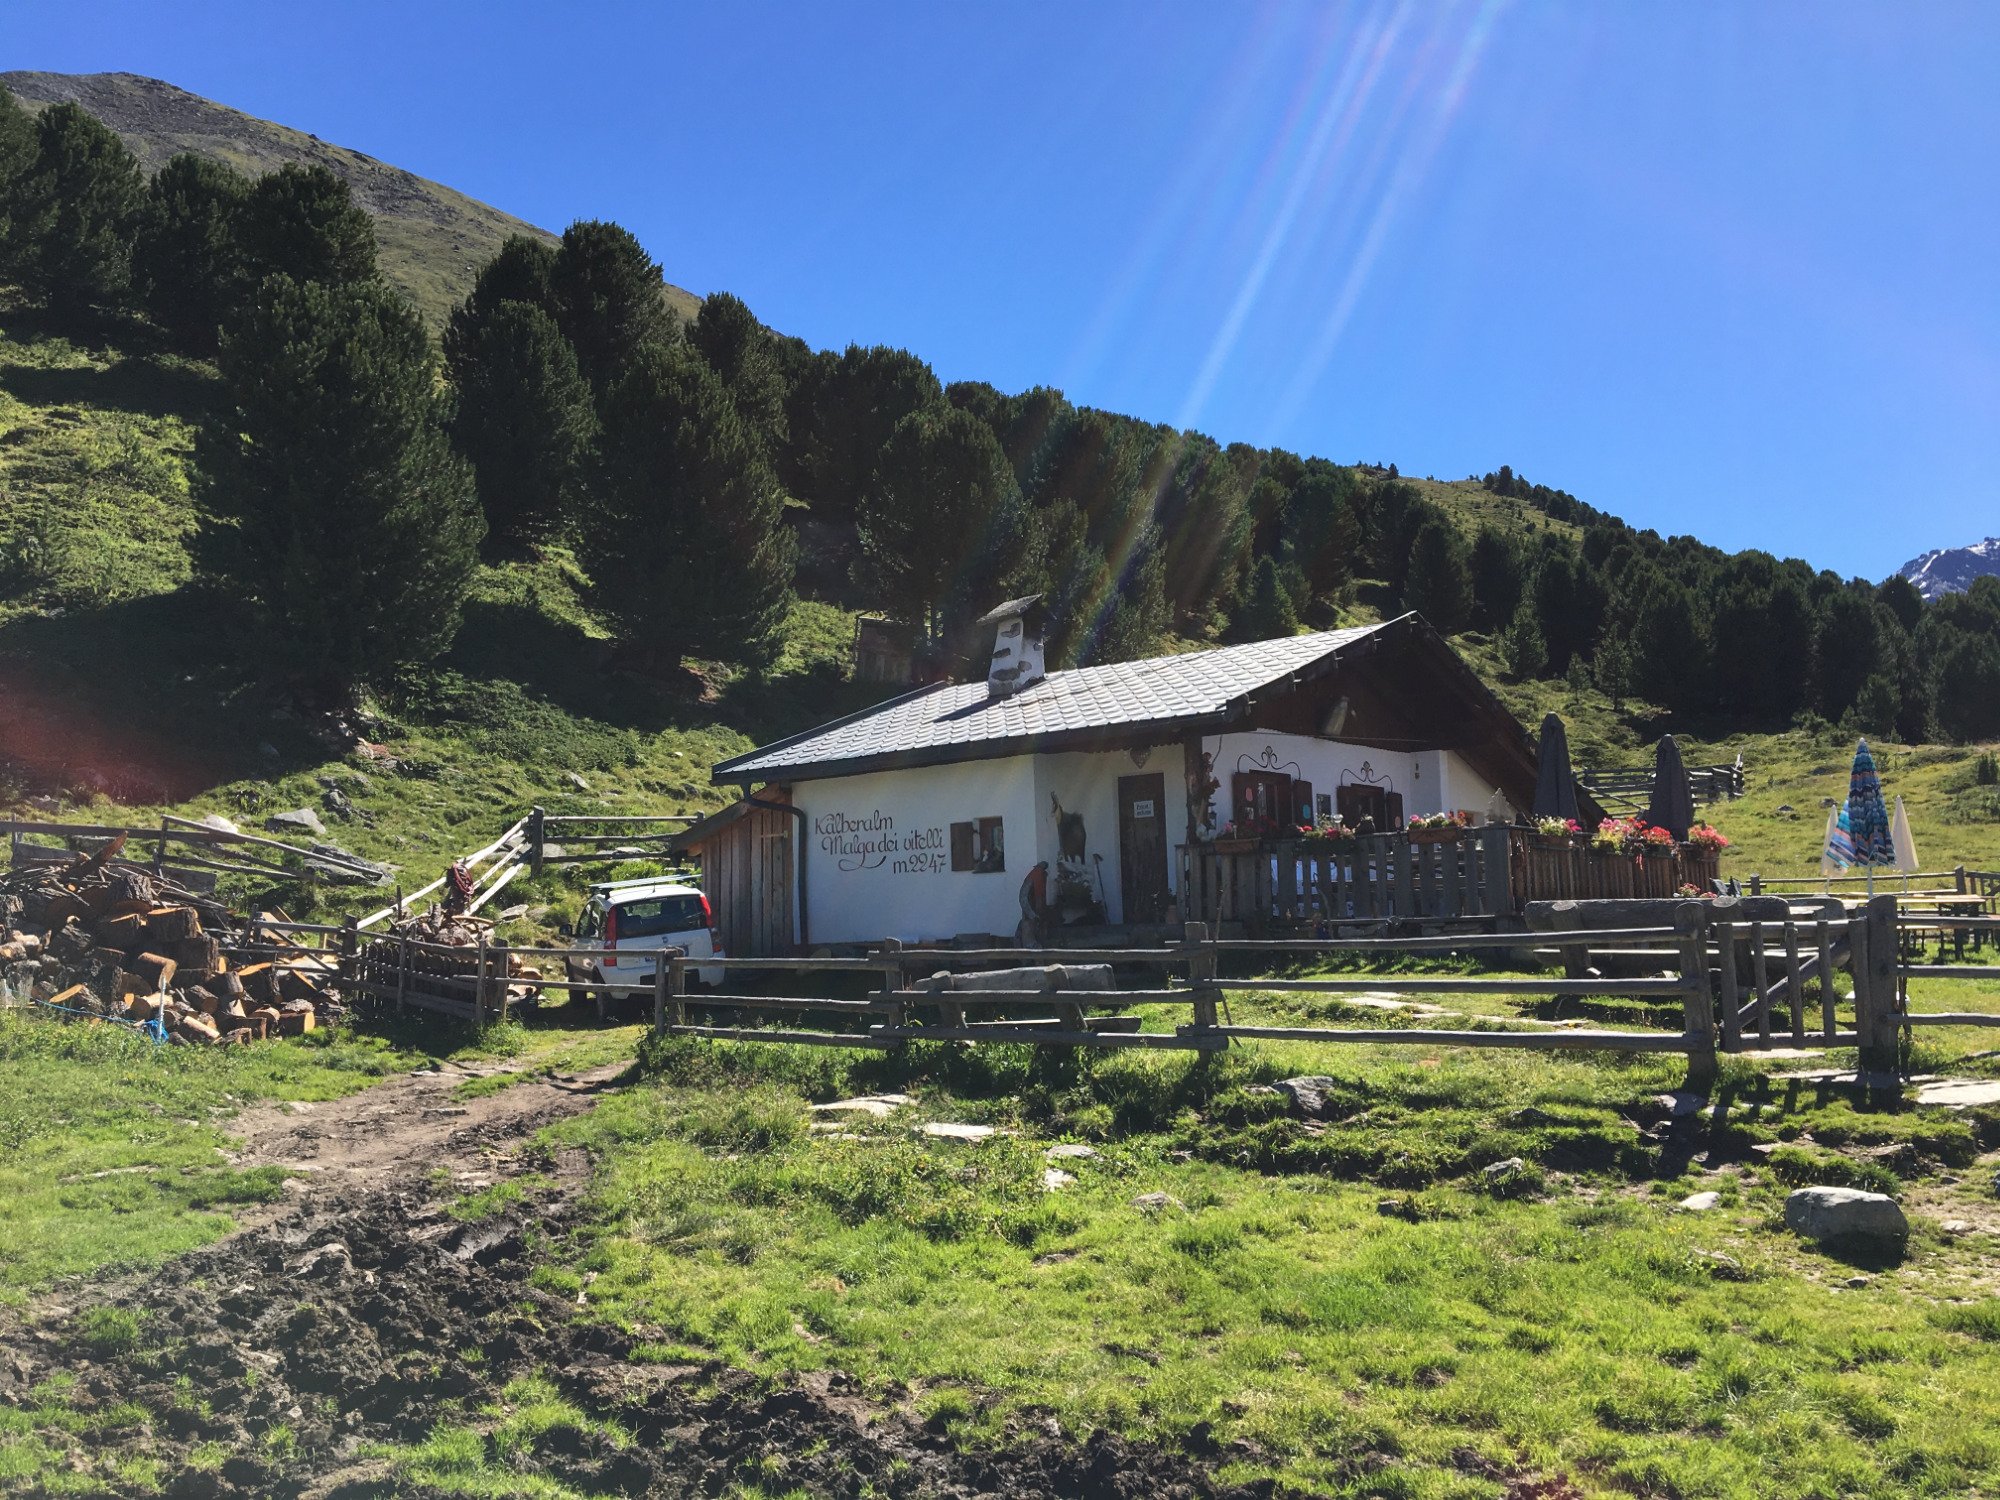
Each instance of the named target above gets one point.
<point>410,1127</point>
<point>360,1314</point>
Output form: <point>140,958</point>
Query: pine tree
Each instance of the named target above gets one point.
<point>1439,586</point>
<point>524,421</point>
<point>687,553</point>
<point>76,208</point>
<point>188,259</point>
<point>521,270</point>
<point>610,301</point>
<point>1522,646</point>
<point>1267,613</point>
<point>1497,577</point>
<point>17,154</point>
<point>336,512</point>
<point>303,223</point>
<point>741,350</point>
<point>858,398</point>
<point>942,524</point>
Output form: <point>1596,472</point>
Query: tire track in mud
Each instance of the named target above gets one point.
<point>359,1312</point>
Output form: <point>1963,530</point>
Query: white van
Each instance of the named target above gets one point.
<point>640,917</point>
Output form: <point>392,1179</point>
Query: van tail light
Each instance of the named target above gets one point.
<point>715,943</point>
<point>707,914</point>
<point>611,928</point>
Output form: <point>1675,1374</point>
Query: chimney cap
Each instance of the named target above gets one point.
<point>1010,609</point>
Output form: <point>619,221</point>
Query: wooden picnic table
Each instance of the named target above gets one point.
<point>1946,905</point>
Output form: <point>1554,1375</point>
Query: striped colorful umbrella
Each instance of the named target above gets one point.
<point>1867,816</point>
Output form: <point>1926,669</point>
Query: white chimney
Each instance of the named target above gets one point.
<point>1017,646</point>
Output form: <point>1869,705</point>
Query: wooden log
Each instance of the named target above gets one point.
<point>1760,971</point>
<point>156,969</point>
<point>1878,1028</point>
<point>1698,1023</point>
<point>1732,1000</point>
<point>1795,983</point>
<point>1427,985</point>
<point>1555,1041</point>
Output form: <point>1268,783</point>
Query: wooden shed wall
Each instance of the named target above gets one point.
<point>746,873</point>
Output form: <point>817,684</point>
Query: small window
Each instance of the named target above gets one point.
<point>978,847</point>
<point>1325,804</point>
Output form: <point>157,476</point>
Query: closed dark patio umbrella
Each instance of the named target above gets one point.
<point>1555,784</point>
<point>1672,807</point>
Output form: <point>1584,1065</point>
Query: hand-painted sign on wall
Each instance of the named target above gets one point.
<point>872,840</point>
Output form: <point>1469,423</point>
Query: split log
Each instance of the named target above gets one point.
<point>155,968</point>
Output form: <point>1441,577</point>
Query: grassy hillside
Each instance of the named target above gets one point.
<point>433,240</point>
<point>1471,505</point>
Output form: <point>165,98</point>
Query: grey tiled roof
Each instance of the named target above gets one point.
<point>945,720</point>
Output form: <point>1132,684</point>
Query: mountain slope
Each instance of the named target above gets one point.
<point>432,240</point>
<point>1951,570</point>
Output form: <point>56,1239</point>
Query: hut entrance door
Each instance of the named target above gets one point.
<point>1142,847</point>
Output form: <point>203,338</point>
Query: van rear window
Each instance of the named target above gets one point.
<point>659,915</point>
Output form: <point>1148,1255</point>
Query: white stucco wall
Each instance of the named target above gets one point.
<point>1087,783</point>
<point>1430,781</point>
<point>878,856</point>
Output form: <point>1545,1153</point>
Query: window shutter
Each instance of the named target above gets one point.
<point>961,846</point>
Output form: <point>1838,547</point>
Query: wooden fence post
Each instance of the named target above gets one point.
<point>535,816</point>
<point>661,970</point>
<point>500,966</point>
<point>350,951</point>
<point>1731,998</point>
<point>677,986</point>
<point>402,971</point>
<point>892,983</point>
<point>479,984</point>
<point>1496,893</point>
<point>1875,988</point>
<point>1689,921</point>
<point>1201,975</point>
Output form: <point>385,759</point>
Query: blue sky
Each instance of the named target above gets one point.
<point>1725,270</point>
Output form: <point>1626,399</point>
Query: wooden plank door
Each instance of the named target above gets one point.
<point>1142,847</point>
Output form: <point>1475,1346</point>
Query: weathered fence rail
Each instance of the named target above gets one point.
<point>1632,786</point>
<point>596,838</point>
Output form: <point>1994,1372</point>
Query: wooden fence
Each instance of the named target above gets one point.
<point>1741,980</point>
<point>1631,787</point>
<point>1381,876</point>
<point>1487,872</point>
<point>190,852</point>
<point>916,1006</point>
<point>596,838</point>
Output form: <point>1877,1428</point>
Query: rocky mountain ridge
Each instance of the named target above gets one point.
<point>1951,570</point>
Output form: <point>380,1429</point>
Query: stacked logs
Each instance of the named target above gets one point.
<point>93,940</point>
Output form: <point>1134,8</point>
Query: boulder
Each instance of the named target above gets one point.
<point>1154,1203</point>
<point>1700,1203</point>
<point>1308,1094</point>
<point>1838,1213</point>
<point>298,820</point>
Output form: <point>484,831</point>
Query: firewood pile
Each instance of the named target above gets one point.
<point>94,940</point>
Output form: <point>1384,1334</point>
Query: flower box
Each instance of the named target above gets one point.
<point>1434,835</point>
<point>1233,846</point>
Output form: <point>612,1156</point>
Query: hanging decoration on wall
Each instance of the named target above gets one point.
<point>1267,760</point>
<point>1140,756</point>
<point>1074,902</point>
<point>1202,785</point>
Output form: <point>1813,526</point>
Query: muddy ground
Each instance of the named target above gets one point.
<point>360,1312</point>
